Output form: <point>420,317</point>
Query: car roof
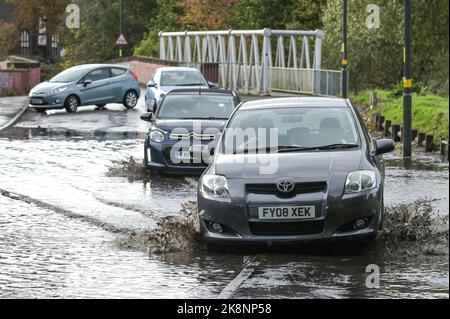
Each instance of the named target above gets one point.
<point>95,66</point>
<point>177,68</point>
<point>294,102</point>
<point>200,91</point>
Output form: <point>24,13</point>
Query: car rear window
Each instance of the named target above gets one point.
<point>182,78</point>
<point>196,107</point>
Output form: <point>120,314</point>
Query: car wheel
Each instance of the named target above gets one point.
<point>130,100</point>
<point>41,110</point>
<point>72,104</point>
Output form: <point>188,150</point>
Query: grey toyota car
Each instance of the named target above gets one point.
<point>90,84</point>
<point>293,170</point>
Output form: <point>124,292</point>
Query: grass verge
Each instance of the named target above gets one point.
<point>430,112</point>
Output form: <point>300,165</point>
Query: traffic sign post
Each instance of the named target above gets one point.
<point>121,41</point>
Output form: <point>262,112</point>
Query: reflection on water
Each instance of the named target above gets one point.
<point>43,253</point>
<point>427,178</point>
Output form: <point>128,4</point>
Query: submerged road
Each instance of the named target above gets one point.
<point>61,215</point>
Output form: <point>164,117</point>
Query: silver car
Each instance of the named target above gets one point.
<point>169,78</point>
<point>93,84</point>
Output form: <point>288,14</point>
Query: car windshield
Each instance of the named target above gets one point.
<point>204,106</point>
<point>182,78</point>
<point>69,75</point>
<point>290,130</point>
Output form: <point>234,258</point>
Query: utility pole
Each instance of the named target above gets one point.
<point>121,25</point>
<point>407,81</point>
<point>344,60</point>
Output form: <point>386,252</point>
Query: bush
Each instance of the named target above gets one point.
<point>9,92</point>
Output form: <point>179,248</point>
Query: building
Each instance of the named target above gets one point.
<point>35,43</point>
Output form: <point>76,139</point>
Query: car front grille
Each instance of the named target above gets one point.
<point>191,163</point>
<point>290,228</point>
<point>300,188</point>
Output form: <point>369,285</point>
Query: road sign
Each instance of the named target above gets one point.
<point>121,40</point>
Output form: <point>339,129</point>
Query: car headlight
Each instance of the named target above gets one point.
<point>214,185</point>
<point>360,181</point>
<point>56,91</point>
<point>157,136</point>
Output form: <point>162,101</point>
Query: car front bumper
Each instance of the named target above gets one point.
<point>48,102</point>
<point>155,158</point>
<point>335,223</point>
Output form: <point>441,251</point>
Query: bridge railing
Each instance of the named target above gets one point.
<point>245,60</point>
<point>246,78</point>
<point>306,81</point>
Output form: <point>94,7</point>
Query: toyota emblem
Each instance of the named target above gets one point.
<point>286,186</point>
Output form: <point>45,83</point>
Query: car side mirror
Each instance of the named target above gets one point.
<point>147,117</point>
<point>384,146</point>
<point>213,85</point>
<point>87,82</point>
<point>151,84</point>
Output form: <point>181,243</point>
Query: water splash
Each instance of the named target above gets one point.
<point>172,234</point>
<point>414,229</point>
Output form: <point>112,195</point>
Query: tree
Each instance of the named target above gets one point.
<point>99,29</point>
<point>8,37</point>
<point>28,13</point>
<point>165,18</point>
<point>376,55</point>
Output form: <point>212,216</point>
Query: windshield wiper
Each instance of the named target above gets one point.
<point>205,118</point>
<point>286,149</point>
<point>266,150</point>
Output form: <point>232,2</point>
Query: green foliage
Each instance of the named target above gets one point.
<point>163,19</point>
<point>430,112</point>
<point>275,14</point>
<point>9,92</point>
<point>94,41</point>
<point>376,55</point>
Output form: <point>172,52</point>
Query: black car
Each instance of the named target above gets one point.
<point>293,170</point>
<point>185,129</point>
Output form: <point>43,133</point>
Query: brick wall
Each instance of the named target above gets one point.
<point>19,80</point>
<point>144,67</point>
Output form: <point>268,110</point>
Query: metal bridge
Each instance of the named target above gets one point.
<point>245,59</point>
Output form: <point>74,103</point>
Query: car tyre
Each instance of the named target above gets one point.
<point>130,100</point>
<point>72,104</point>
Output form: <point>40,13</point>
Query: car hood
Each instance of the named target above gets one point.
<point>190,125</point>
<point>332,167</point>
<point>47,86</point>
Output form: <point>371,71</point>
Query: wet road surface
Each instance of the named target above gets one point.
<point>60,215</point>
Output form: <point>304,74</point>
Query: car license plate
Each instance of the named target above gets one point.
<point>182,155</point>
<point>287,212</point>
<point>36,101</point>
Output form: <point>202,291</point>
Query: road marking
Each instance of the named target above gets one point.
<point>233,286</point>
<point>91,220</point>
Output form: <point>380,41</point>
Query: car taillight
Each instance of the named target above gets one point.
<point>134,75</point>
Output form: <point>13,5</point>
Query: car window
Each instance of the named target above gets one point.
<point>196,107</point>
<point>290,127</point>
<point>97,75</point>
<point>117,72</point>
<point>182,78</point>
<point>69,75</point>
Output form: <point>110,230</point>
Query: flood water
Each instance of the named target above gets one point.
<point>60,214</point>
